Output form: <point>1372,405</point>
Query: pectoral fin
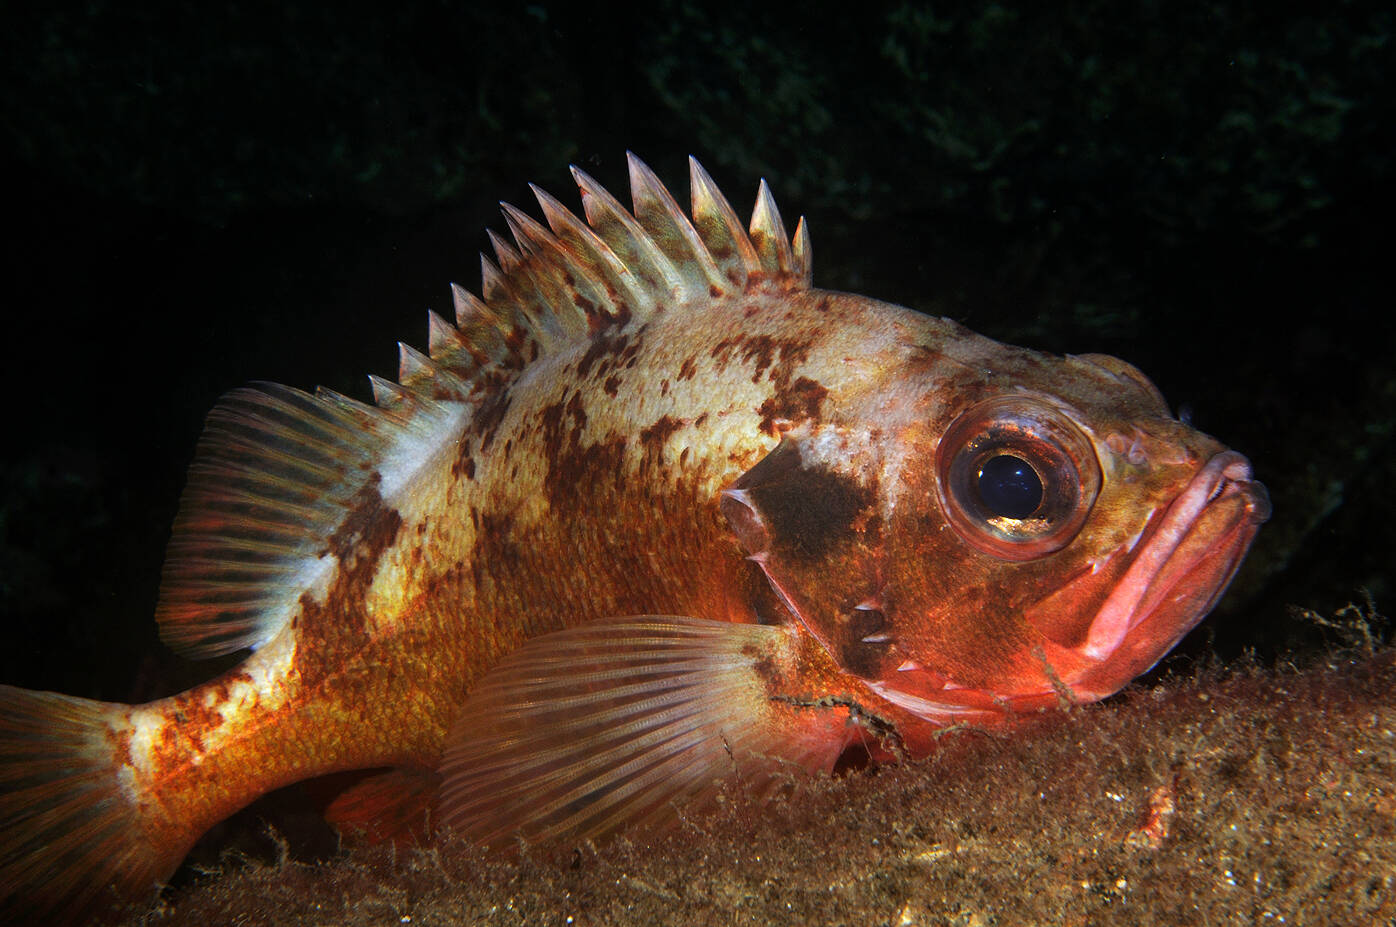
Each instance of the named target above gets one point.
<point>625,722</point>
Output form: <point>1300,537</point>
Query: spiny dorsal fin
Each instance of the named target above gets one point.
<point>719,226</point>
<point>656,210</point>
<point>768,234</point>
<point>483,334</point>
<point>561,282</point>
<point>622,287</point>
<point>420,373</point>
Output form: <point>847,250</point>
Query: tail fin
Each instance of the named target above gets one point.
<point>72,844</point>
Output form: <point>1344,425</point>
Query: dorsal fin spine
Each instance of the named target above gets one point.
<point>506,304</point>
<point>768,234</point>
<point>412,367</point>
<point>627,238</point>
<point>623,288</point>
<point>422,374</point>
<point>387,394</point>
<point>804,257</point>
<point>720,228</point>
<point>442,336</point>
<point>548,267</point>
<point>656,210</point>
<point>529,234</point>
<point>505,253</point>
<point>551,319</point>
<point>483,334</point>
<point>450,350</point>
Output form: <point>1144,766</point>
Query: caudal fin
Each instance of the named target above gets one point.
<point>72,845</point>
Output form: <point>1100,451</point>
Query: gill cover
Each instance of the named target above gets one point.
<point>816,532</point>
<point>868,541</point>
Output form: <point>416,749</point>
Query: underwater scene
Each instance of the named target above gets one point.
<point>1044,579</point>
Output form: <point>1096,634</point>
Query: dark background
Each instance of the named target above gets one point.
<point>200,197</point>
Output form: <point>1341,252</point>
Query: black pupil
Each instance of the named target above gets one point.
<point>1009,487</point>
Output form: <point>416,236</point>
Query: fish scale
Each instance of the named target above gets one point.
<point>653,512</point>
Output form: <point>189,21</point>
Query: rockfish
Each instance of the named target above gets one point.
<point>653,510</point>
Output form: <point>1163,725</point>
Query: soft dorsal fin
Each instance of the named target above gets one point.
<point>278,471</point>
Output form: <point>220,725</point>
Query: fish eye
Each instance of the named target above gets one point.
<point>1017,478</point>
<point>1009,486</point>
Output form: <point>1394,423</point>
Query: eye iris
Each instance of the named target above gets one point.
<point>1009,486</point>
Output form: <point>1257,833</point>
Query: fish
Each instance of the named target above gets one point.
<point>652,512</point>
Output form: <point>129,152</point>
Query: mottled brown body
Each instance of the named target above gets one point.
<point>652,511</point>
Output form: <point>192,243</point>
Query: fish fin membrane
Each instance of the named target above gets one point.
<point>561,283</point>
<point>278,476</point>
<point>627,722</point>
<point>392,806</point>
<point>72,845</point>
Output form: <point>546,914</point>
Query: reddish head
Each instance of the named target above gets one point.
<point>983,525</point>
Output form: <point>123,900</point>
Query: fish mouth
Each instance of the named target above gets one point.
<point>1183,564</point>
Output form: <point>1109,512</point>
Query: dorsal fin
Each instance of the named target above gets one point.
<point>768,234</point>
<point>660,215</point>
<point>562,280</point>
<point>279,471</point>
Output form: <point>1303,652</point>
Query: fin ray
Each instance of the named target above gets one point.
<point>768,234</point>
<point>627,239</point>
<point>657,211</point>
<point>389,806</point>
<point>717,222</point>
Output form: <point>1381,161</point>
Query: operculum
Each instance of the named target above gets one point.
<point>810,516</point>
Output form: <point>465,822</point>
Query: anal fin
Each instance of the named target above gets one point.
<point>623,722</point>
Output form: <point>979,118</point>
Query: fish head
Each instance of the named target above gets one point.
<point>976,538</point>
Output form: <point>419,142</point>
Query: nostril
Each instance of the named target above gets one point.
<point>1131,448</point>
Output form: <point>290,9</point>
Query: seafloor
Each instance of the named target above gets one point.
<point>1231,796</point>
